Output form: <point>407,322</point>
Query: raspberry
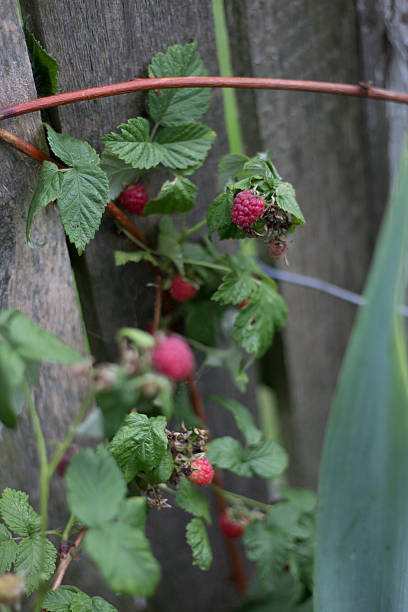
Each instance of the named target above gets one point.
<point>231,528</point>
<point>173,357</point>
<point>243,304</point>
<point>182,290</point>
<point>247,208</point>
<point>202,473</point>
<point>277,248</point>
<point>134,199</point>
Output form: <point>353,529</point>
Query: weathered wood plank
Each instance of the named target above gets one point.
<point>37,282</point>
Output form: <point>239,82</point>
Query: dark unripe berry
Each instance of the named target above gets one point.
<point>134,199</point>
<point>247,208</point>
<point>182,290</point>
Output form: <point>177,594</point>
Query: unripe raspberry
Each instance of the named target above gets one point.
<point>247,208</point>
<point>202,473</point>
<point>231,528</point>
<point>173,357</point>
<point>277,248</point>
<point>134,199</point>
<point>182,290</point>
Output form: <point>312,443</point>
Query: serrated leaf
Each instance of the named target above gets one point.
<point>286,516</point>
<point>69,599</point>
<point>43,65</point>
<point>100,605</point>
<point>229,165</point>
<point>196,535</point>
<point>11,377</point>
<point>171,106</point>
<point>28,561</point>
<point>133,145</point>
<point>70,150</point>
<point>95,486</point>
<point>256,324</point>
<point>17,513</point>
<point>304,499</point>
<point>124,558</point>
<point>119,173</point>
<point>122,257</point>
<point>163,471</point>
<point>227,453</point>
<point>243,419</point>
<point>285,196</point>
<point>266,459</point>
<point>83,197</point>
<point>190,498</point>
<point>133,512</point>
<point>219,218</point>
<point>168,244</point>
<point>81,603</point>
<point>8,549</point>
<point>34,343</point>
<point>235,288</point>
<point>47,190</point>
<point>269,548</point>
<point>140,440</point>
<point>59,600</point>
<point>175,196</point>
<point>185,146</point>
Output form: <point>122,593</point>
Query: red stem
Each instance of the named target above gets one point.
<point>67,558</point>
<point>362,90</point>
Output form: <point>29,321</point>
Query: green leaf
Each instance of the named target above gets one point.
<point>8,550</point>
<point>71,151</point>
<point>123,556</point>
<point>285,197</point>
<point>304,499</point>
<point>256,324</point>
<point>219,218</point>
<point>81,603</point>
<point>190,498</point>
<point>243,419</point>
<point>197,312</point>
<point>269,547</point>
<point>267,459</point>
<point>35,343</point>
<point>47,190</point>
<point>117,401</point>
<point>122,258</point>
<point>168,243</point>
<point>28,561</point>
<point>185,146</point>
<point>133,145</point>
<point>227,453</point>
<point>11,377</point>
<point>141,440</point>
<point>175,196</point>
<point>362,534</point>
<point>83,197</point>
<point>43,65</point>
<point>171,106</point>
<point>69,599</point>
<point>138,337</point>
<point>163,471</point>
<point>59,600</point>
<point>287,517</point>
<point>235,288</point>
<point>17,513</point>
<point>119,173</point>
<point>197,538</point>
<point>95,486</point>
<point>133,512</point>
<point>229,165</point>
<point>100,605</point>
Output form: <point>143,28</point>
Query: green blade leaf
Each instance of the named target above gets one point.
<point>229,165</point>
<point>192,500</point>
<point>71,151</point>
<point>267,459</point>
<point>17,513</point>
<point>81,603</point>
<point>133,512</point>
<point>175,196</point>
<point>123,556</point>
<point>95,486</point>
<point>163,471</point>
<point>243,419</point>
<point>8,549</point>
<point>362,532</point>
<point>119,173</point>
<point>47,190</point>
<point>197,538</point>
<point>172,106</point>
<point>11,377</point>
<point>100,605</point>
<point>269,547</point>
<point>84,195</point>
<point>169,245</point>
<point>227,453</point>
<point>43,65</point>
<point>235,288</point>
<point>285,196</point>
<point>133,145</point>
<point>122,258</point>
<point>219,218</point>
<point>185,146</point>
<point>59,600</point>
<point>28,561</point>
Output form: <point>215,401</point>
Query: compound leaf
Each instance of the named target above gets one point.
<point>17,513</point>
<point>133,145</point>
<point>70,150</point>
<point>28,561</point>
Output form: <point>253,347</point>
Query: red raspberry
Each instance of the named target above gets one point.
<point>231,528</point>
<point>247,208</point>
<point>173,357</point>
<point>202,473</point>
<point>243,304</point>
<point>182,290</point>
<point>134,199</point>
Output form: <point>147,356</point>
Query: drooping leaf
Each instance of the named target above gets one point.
<point>8,549</point>
<point>175,196</point>
<point>362,532</point>
<point>197,538</point>
<point>243,419</point>
<point>28,561</point>
<point>47,190</point>
<point>172,106</point>
<point>235,288</point>
<point>17,513</point>
<point>70,150</point>
<point>286,200</point>
<point>122,257</point>
<point>43,65</point>
<point>95,486</point>
<point>190,498</point>
<point>123,556</point>
<point>119,173</point>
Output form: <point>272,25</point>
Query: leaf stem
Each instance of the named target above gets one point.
<point>66,559</point>
<point>68,527</point>
<point>207,264</point>
<point>193,229</point>
<point>154,131</point>
<point>236,497</point>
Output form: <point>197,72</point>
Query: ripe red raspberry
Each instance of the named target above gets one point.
<point>231,528</point>
<point>247,208</point>
<point>202,473</point>
<point>173,357</point>
<point>182,290</point>
<point>134,199</point>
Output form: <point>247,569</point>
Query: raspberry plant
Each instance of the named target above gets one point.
<point>154,444</point>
